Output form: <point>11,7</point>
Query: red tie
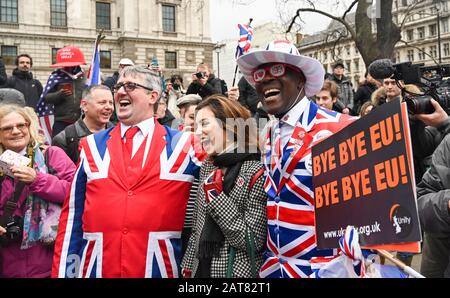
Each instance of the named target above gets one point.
<point>129,135</point>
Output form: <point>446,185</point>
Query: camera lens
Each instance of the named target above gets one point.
<point>420,105</point>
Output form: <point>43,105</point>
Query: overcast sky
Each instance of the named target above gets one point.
<point>226,14</point>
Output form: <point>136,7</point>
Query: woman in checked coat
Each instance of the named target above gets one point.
<point>230,209</point>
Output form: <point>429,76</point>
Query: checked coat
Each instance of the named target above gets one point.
<point>244,207</point>
<point>291,240</point>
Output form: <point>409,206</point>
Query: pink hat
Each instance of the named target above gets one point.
<point>283,51</point>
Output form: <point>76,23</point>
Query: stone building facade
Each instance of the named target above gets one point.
<point>175,32</point>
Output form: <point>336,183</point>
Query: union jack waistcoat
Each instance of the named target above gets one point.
<point>291,241</point>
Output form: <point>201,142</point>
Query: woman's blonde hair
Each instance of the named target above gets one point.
<point>36,137</point>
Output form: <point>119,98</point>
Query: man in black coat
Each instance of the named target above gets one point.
<point>23,81</point>
<point>204,83</point>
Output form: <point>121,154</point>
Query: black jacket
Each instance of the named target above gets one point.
<point>212,86</point>
<point>24,82</point>
<point>67,108</point>
<point>433,196</point>
<point>3,75</point>
<point>167,119</point>
<point>247,96</point>
<point>362,95</point>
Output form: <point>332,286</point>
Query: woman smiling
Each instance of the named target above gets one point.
<point>29,199</point>
<point>230,212</point>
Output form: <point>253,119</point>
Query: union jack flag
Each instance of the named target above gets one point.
<point>93,77</point>
<point>45,111</point>
<point>245,39</point>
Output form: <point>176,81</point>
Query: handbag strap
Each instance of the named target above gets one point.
<point>250,245</point>
<point>11,204</point>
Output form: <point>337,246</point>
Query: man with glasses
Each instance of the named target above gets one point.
<point>125,212</point>
<point>284,80</point>
<point>97,106</point>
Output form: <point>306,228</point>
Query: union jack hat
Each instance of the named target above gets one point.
<point>283,51</point>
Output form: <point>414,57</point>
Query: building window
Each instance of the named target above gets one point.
<point>8,11</point>
<point>432,29</point>
<point>54,51</point>
<point>347,50</point>
<point>421,54</point>
<point>409,34</point>
<point>105,59</point>
<point>444,25</point>
<point>404,3</point>
<point>325,55</point>
<point>325,67</point>
<point>433,51</point>
<point>397,57</point>
<point>103,15</point>
<point>58,13</point>
<point>168,18</point>
<point>9,54</point>
<point>348,66</point>
<point>411,55</point>
<point>356,65</point>
<point>446,49</point>
<point>171,59</point>
<point>421,32</point>
<point>356,50</point>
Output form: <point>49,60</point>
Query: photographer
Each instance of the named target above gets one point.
<point>30,197</point>
<point>204,83</point>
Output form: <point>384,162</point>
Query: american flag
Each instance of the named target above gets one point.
<point>93,77</point>
<point>245,39</point>
<point>45,111</point>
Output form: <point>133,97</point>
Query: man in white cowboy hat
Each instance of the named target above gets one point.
<point>284,79</point>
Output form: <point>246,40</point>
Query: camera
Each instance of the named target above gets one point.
<point>434,80</point>
<point>14,231</point>
<point>200,75</point>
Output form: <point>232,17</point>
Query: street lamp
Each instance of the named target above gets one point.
<point>217,49</point>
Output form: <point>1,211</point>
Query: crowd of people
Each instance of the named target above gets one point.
<point>145,177</point>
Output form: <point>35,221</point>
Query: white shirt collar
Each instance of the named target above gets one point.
<point>145,126</point>
<point>294,114</point>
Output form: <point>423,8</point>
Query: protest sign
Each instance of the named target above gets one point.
<point>363,176</point>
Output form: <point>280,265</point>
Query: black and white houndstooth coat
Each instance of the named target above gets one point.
<point>244,207</point>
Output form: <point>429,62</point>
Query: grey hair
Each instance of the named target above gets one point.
<point>151,78</point>
<point>87,93</point>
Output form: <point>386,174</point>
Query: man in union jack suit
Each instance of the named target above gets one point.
<point>126,206</point>
<point>284,80</point>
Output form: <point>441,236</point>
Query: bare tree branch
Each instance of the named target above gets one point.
<point>349,8</point>
<point>343,22</point>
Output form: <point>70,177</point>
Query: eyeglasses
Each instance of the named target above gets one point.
<point>20,126</point>
<point>129,86</point>
<point>275,70</point>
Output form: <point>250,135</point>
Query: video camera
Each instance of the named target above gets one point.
<point>434,81</point>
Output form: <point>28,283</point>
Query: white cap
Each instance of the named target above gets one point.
<point>126,61</point>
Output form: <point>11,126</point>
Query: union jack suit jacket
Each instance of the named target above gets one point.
<point>126,220</point>
<point>290,207</point>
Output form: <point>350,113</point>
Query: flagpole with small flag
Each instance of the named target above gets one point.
<point>93,77</point>
<point>244,43</point>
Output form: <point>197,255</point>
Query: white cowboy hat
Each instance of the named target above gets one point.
<point>283,51</point>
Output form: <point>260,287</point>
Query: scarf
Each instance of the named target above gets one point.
<point>40,222</point>
<point>211,237</point>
